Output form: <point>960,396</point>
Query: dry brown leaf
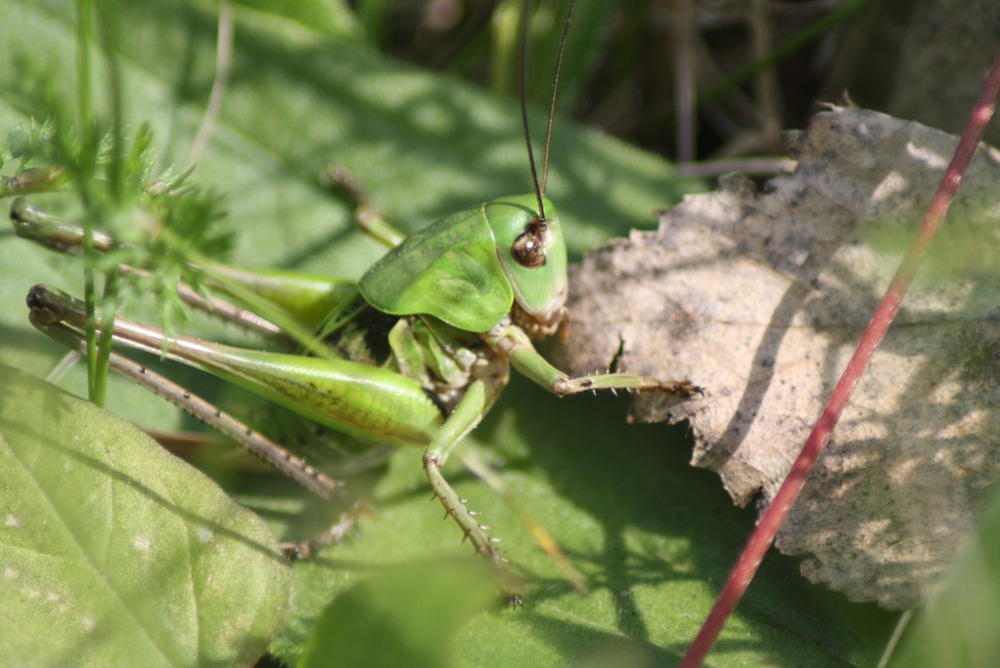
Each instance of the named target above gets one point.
<point>760,298</point>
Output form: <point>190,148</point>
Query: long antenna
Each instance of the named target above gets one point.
<point>521,78</point>
<point>555,87</point>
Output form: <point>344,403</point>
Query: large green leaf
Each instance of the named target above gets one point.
<point>653,537</point>
<point>115,552</point>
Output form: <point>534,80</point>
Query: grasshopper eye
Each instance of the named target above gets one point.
<point>529,247</point>
<point>527,251</point>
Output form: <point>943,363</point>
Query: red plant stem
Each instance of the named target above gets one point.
<point>761,539</point>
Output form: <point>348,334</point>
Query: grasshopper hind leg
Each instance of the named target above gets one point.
<point>253,441</point>
<point>46,316</point>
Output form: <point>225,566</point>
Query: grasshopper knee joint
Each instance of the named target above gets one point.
<point>563,386</point>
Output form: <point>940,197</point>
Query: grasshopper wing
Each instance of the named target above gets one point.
<point>448,270</point>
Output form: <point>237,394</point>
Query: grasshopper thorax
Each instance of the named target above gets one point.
<point>469,270</point>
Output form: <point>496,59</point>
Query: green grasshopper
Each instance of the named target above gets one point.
<point>415,354</point>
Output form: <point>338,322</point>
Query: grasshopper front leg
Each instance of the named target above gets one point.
<point>511,341</point>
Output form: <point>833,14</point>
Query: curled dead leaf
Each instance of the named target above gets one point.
<point>760,298</point>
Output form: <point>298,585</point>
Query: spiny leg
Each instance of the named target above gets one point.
<point>512,341</point>
<point>460,423</point>
<point>363,401</point>
<point>59,316</point>
<point>317,482</point>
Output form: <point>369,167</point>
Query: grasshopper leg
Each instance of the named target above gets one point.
<point>50,232</point>
<point>253,441</point>
<point>512,341</point>
<point>462,420</point>
<point>346,523</point>
<point>56,315</point>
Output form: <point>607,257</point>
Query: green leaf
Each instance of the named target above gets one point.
<point>115,552</point>
<point>653,537</point>
<point>403,616</point>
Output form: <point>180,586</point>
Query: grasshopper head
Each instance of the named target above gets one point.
<point>532,253</point>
